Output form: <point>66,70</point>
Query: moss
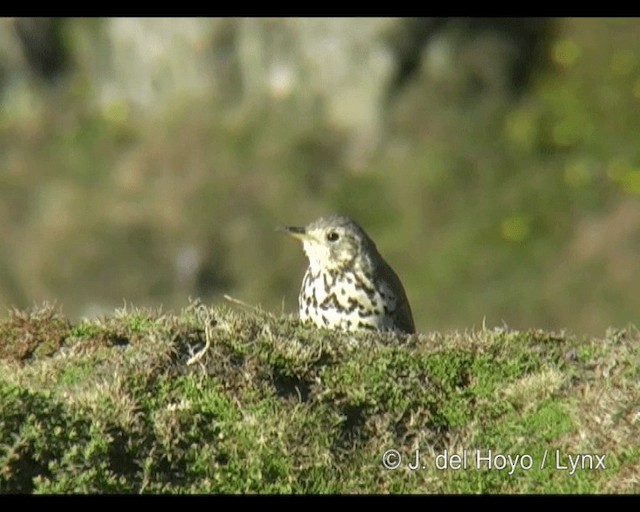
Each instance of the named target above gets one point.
<point>276,407</point>
<point>31,334</point>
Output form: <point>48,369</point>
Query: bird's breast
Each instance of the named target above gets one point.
<point>347,300</point>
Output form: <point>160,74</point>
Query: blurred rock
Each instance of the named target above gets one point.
<point>341,69</point>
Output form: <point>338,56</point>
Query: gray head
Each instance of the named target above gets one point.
<point>334,242</point>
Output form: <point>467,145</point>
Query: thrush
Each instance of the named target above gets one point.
<point>348,285</point>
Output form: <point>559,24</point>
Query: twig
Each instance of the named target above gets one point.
<point>205,316</point>
<point>241,303</point>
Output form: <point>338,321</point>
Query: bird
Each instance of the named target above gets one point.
<point>348,285</point>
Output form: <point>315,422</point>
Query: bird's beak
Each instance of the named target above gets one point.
<point>296,232</point>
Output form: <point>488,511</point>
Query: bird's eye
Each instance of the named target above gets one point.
<point>332,236</point>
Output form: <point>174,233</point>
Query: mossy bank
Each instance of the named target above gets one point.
<point>227,400</point>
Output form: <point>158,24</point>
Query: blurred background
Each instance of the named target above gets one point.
<point>496,162</point>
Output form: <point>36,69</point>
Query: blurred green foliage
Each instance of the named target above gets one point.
<point>492,208</point>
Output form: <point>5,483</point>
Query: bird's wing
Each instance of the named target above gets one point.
<point>402,316</point>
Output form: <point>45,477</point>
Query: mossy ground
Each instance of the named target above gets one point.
<point>272,406</point>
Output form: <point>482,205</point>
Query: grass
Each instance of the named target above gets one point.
<point>120,404</point>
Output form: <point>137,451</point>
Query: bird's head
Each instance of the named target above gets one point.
<point>333,242</point>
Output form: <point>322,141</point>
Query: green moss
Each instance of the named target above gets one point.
<point>274,407</point>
